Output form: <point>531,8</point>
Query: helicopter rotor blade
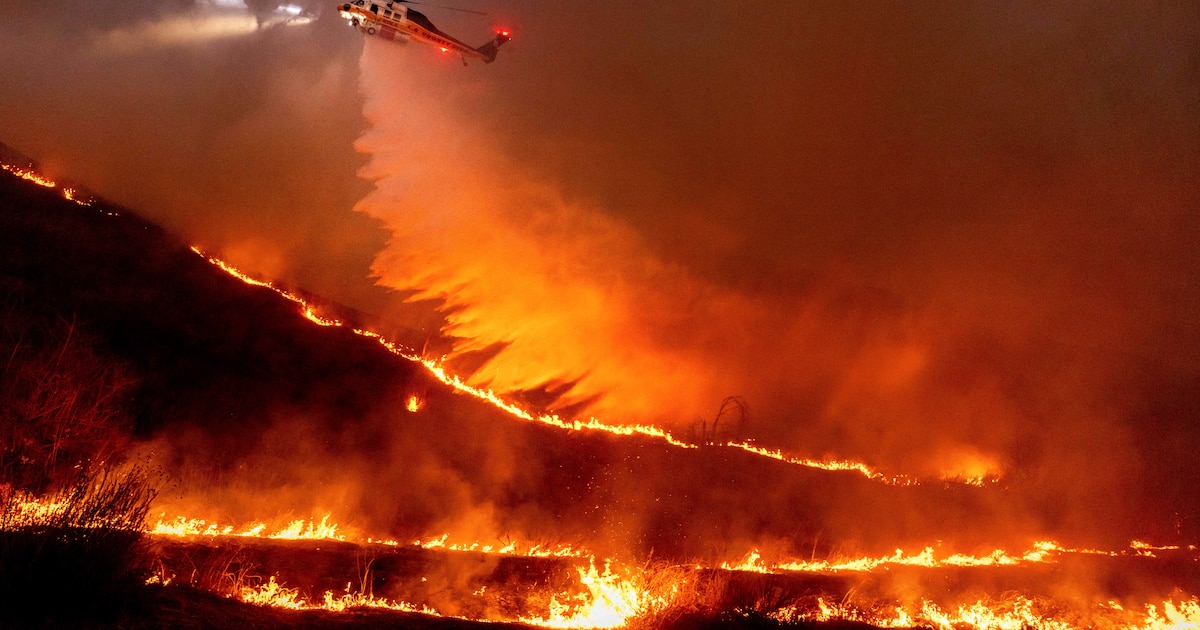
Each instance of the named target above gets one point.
<point>442,6</point>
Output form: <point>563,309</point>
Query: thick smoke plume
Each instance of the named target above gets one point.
<point>944,240</point>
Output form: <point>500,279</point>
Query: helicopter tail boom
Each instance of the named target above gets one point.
<point>490,49</point>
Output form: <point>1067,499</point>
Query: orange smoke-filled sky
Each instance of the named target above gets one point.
<point>938,238</point>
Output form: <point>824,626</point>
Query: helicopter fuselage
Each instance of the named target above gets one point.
<point>395,22</point>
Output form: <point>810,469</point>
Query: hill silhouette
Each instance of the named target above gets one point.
<point>252,412</point>
<point>250,408</point>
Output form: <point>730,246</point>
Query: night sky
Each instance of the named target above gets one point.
<point>942,238</point>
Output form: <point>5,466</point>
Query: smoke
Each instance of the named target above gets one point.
<point>232,127</point>
<point>947,241</point>
<point>944,240</point>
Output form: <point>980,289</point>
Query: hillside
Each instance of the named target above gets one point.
<point>246,412</point>
<point>245,397</point>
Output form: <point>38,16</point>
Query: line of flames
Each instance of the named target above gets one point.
<point>460,385</point>
<point>324,529</point>
<point>1043,551</point>
<point>1017,613</point>
<point>612,601</point>
<point>41,180</point>
<point>607,599</point>
<point>613,598</point>
<point>610,598</point>
<point>439,372</point>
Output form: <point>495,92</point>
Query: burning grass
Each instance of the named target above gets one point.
<point>583,593</point>
<point>79,537</point>
<point>82,545</point>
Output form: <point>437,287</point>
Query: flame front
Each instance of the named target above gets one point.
<point>439,372</point>
<point>617,594</point>
<point>1020,613</point>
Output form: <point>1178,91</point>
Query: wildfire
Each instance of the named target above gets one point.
<point>323,529</point>
<point>299,529</point>
<point>612,597</point>
<point>29,175</point>
<point>275,594</point>
<point>41,180</point>
<point>610,601</point>
<point>1045,551</point>
<point>1019,613</point>
<point>591,424</point>
<point>607,600</point>
<point>510,548</point>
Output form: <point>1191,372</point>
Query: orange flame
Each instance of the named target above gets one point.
<point>299,529</point>
<point>1020,613</point>
<point>41,180</point>
<point>1044,551</point>
<point>591,424</point>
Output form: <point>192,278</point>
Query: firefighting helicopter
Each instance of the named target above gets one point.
<point>392,20</point>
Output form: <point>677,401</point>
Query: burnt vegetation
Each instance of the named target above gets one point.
<point>110,332</point>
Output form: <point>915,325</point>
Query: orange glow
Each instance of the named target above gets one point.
<point>1046,551</point>
<point>1019,613</point>
<point>511,548</point>
<point>29,175</point>
<point>33,176</point>
<point>299,529</point>
<point>277,595</point>
<point>611,599</point>
<point>616,595</point>
<point>591,424</point>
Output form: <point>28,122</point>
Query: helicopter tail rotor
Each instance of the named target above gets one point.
<point>490,49</point>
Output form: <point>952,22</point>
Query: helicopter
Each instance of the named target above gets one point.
<point>393,21</point>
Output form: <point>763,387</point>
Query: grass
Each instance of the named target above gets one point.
<point>77,553</point>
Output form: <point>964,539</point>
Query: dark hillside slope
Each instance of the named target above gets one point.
<point>206,347</point>
<point>256,412</point>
